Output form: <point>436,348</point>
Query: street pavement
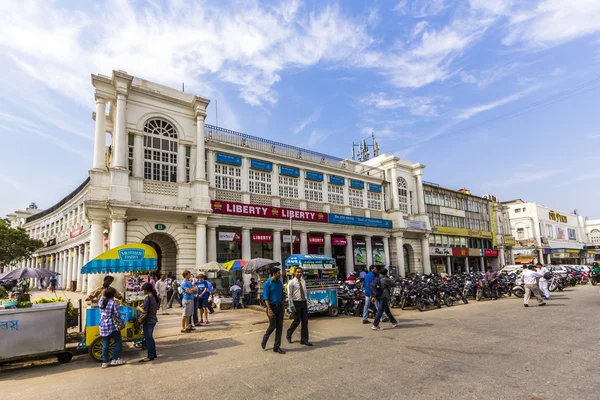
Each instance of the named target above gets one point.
<point>486,350</point>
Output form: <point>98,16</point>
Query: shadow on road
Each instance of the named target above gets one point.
<point>321,344</point>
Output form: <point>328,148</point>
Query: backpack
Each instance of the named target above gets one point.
<point>548,275</point>
<point>375,288</point>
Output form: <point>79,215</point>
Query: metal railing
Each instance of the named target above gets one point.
<point>222,135</point>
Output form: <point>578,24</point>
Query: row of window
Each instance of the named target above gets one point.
<point>61,226</point>
<point>459,222</point>
<point>456,241</point>
<point>455,202</point>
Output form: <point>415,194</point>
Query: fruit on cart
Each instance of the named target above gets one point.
<point>46,300</point>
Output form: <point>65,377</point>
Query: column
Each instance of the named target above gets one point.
<point>181,163</point>
<point>368,240</point>
<point>211,243</point>
<point>117,238</point>
<point>420,193</point>
<point>327,246</point>
<point>400,256</point>
<point>100,134</point>
<point>275,180</point>
<point>96,248</point>
<point>76,268</point>
<point>200,242</point>
<point>246,244</point>
<point>303,243</point>
<point>386,250</point>
<point>277,246</point>
<point>119,157</point>
<point>211,168</point>
<point>84,277</point>
<point>394,191</point>
<point>245,173</point>
<point>482,263</point>
<point>425,255</point>
<point>138,156</point>
<point>349,256</point>
<point>325,189</point>
<point>502,258</point>
<point>540,256</point>
<point>69,273</point>
<point>549,259</point>
<point>79,266</point>
<point>200,146</point>
<point>467,269</point>
<point>449,265</point>
<point>65,273</point>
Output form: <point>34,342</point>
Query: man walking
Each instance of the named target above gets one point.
<point>380,292</point>
<point>162,286</point>
<point>530,280</point>
<point>491,277</point>
<point>175,288</point>
<point>543,283</point>
<point>273,297</point>
<point>299,306</point>
<point>251,292</point>
<point>368,279</point>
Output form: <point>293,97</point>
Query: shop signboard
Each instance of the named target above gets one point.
<point>377,243</point>
<point>416,224</point>
<point>50,243</point>
<point>475,252</point>
<point>261,165</point>
<point>460,252</point>
<point>378,256</point>
<point>374,188</point>
<point>440,251</point>
<point>337,241</point>
<point>316,240</point>
<point>314,176</point>
<point>490,253</point>
<point>509,240</point>
<point>286,239</point>
<point>446,230</point>
<point>76,232</point>
<point>262,237</point>
<point>248,210</point>
<point>359,221</point>
<point>229,159</point>
<point>229,237</point>
<point>289,171</point>
<point>357,184</point>
<point>360,252</point>
<point>336,180</point>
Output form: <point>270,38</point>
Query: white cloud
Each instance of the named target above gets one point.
<point>314,117</point>
<point>420,8</point>
<point>418,105</point>
<point>521,178</point>
<point>593,136</point>
<point>553,22</point>
<point>316,137</point>
<point>474,110</point>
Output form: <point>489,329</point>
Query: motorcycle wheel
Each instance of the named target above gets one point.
<point>402,303</point>
<point>553,288</point>
<point>519,292</point>
<point>448,301</point>
<point>421,306</point>
<point>438,302</point>
<point>465,300</point>
<point>479,295</point>
<point>594,282</point>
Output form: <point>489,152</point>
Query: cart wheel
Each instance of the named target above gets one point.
<point>334,311</point>
<point>65,357</point>
<point>96,349</point>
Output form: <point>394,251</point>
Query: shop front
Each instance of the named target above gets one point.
<point>441,259</point>
<point>338,248</point>
<point>229,245</point>
<point>567,256</point>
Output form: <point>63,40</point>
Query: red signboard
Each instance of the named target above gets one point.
<point>249,210</point>
<point>316,240</point>
<point>76,232</point>
<point>460,252</point>
<point>338,241</point>
<point>262,237</point>
<point>490,253</point>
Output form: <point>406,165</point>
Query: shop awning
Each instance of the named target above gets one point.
<point>135,257</point>
<point>524,260</point>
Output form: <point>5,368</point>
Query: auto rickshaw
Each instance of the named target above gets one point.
<point>136,259</point>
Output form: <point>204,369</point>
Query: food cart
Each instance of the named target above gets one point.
<point>136,259</point>
<point>320,274</point>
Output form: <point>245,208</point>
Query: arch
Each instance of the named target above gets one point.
<point>160,150</point>
<point>166,250</point>
<point>595,236</point>
<point>402,195</point>
<point>409,259</point>
<point>141,122</point>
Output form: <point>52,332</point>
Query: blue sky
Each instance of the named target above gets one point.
<point>321,75</point>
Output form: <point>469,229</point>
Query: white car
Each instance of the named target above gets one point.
<point>559,269</point>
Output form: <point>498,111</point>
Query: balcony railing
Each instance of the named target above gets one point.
<point>222,135</point>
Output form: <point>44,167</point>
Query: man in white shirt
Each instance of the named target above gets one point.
<point>530,280</point>
<point>543,281</point>
<point>162,286</point>
<point>299,305</point>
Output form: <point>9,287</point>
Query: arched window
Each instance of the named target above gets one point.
<point>160,151</point>
<point>402,195</point>
<point>595,236</point>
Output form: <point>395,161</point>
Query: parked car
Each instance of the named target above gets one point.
<point>560,270</point>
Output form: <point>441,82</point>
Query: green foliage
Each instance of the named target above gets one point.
<point>46,300</point>
<point>15,244</point>
<point>3,292</point>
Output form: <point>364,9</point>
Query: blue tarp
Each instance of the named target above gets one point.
<point>310,261</point>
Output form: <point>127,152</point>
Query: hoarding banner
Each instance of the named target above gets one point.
<point>229,159</point>
<point>225,207</point>
<point>229,236</point>
<point>359,221</point>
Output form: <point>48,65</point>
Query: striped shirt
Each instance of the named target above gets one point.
<point>107,326</point>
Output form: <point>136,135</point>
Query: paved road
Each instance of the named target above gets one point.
<point>487,350</point>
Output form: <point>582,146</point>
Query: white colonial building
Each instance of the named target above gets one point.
<point>546,235</point>
<point>592,228</point>
<point>199,193</point>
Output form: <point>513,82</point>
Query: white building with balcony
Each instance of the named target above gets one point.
<point>199,193</point>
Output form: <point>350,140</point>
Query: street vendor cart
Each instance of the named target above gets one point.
<point>320,274</point>
<point>136,259</point>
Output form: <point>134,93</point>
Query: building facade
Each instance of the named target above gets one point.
<point>545,235</point>
<point>468,233</point>
<point>592,229</point>
<point>198,193</point>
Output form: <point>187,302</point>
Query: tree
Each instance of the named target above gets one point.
<point>15,244</point>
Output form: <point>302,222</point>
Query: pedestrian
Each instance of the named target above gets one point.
<point>53,284</point>
<point>150,307</point>
<point>194,318</point>
<point>41,284</point>
<point>273,297</point>
<point>544,280</point>
<point>169,285</point>
<point>251,292</point>
<point>203,294</point>
<point>176,295</point>
<point>210,299</point>
<point>298,303</point>
<point>491,277</point>
<point>530,280</point>
<point>188,290</point>
<point>109,310</point>
<point>367,289</point>
<point>380,293</point>
<point>162,288</point>
<point>236,292</point>
<point>97,293</point>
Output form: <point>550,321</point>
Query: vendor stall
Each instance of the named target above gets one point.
<point>320,274</point>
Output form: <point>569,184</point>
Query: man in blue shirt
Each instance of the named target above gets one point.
<point>210,297</point>
<point>273,296</point>
<point>188,290</point>
<point>368,279</point>
<point>203,294</point>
